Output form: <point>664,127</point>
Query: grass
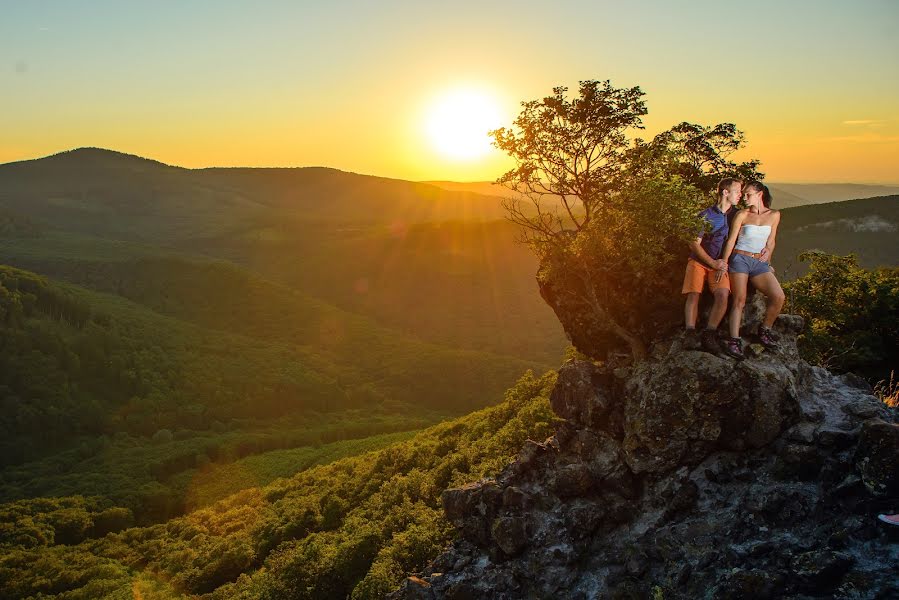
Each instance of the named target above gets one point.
<point>888,391</point>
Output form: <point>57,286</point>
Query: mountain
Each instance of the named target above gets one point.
<point>352,241</point>
<point>690,476</point>
<point>816,193</point>
<point>101,192</point>
<point>867,228</point>
<point>353,526</point>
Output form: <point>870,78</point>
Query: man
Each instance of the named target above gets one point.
<point>705,263</point>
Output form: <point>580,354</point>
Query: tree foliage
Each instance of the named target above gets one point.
<point>852,314</point>
<point>353,528</point>
<point>609,216</point>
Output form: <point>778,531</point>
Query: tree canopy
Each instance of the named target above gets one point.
<point>609,215</point>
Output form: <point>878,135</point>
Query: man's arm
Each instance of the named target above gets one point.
<point>699,251</point>
<point>732,236</point>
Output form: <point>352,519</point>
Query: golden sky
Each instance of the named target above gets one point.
<point>356,85</point>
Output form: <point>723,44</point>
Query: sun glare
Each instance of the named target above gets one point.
<point>458,123</point>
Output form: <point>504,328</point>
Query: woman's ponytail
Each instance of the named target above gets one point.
<point>761,187</point>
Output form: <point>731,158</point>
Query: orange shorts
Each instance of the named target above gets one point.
<point>697,273</point>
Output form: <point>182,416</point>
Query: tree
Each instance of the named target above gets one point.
<point>852,314</point>
<point>608,217</point>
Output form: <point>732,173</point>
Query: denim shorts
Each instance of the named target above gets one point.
<point>740,263</point>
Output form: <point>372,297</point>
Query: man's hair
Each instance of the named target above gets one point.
<point>726,183</point>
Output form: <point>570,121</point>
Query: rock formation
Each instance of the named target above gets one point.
<point>687,476</point>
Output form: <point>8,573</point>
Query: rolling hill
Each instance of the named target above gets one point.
<point>95,191</point>
<point>867,228</point>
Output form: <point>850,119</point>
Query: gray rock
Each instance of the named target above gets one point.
<point>821,570</point>
<point>877,457</point>
<point>581,394</point>
<point>689,476</point>
<point>510,533</point>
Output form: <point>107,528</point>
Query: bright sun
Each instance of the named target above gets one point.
<point>459,122</point>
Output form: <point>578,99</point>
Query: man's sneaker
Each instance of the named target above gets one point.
<point>766,337</point>
<point>710,341</point>
<point>734,347</point>
<point>891,519</point>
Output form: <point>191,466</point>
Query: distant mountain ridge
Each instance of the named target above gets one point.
<point>80,189</point>
<point>785,195</point>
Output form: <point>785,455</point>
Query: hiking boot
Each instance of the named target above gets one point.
<point>766,337</point>
<point>691,339</point>
<point>710,341</point>
<point>734,347</point>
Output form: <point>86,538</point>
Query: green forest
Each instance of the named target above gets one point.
<point>255,396</point>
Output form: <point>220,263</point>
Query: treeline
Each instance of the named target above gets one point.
<point>352,528</point>
<point>76,363</point>
<point>163,476</point>
<point>67,370</point>
<point>22,294</point>
<point>851,313</point>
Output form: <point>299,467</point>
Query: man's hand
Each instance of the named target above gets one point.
<point>720,265</point>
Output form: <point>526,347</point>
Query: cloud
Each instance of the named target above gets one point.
<point>870,223</point>
<point>866,138</point>
<point>868,122</point>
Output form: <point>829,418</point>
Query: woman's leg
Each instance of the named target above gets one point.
<point>767,284</point>
<point>738,283</point>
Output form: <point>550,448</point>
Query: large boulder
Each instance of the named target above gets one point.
<point>686,476</point>
<point>877,457</point>
<point>684,406</point>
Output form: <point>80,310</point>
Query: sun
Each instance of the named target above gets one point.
<point>458,123</point>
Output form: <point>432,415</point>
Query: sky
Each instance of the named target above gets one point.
<point>354,85</point>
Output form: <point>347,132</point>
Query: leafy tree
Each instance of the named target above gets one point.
<point>609,217</point>
<point>852,314</point>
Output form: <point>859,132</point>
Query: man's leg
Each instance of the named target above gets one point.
<point>691,310</point>
<point>719,307</point>
<point>694,279</point>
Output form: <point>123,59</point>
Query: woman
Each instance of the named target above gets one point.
<point>748,251</point>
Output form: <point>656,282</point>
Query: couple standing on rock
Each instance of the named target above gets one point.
<point>736,251</point>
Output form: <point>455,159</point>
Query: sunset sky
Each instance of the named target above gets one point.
<point>359,86</point>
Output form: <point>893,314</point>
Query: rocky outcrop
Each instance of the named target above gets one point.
<point>687,476</point>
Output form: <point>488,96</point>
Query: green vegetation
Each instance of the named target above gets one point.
<point>866,228</point>
<point>101,396</point>
<point>227,395</point>
<point>626,208</point>
<point>81,363</point>
<point>852,315</point>
<point>353,527</point>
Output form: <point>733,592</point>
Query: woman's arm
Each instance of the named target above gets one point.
<point>768,250</point>
<point>733,234</point>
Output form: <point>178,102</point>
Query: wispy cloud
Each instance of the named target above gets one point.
<point>869,122</point>
<point>866,138</point>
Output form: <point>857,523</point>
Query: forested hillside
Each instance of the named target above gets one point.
<point>350,528</point>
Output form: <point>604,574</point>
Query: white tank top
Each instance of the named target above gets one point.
<point>752,238</point>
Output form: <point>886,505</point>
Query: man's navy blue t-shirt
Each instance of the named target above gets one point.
<point>713,241</point>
